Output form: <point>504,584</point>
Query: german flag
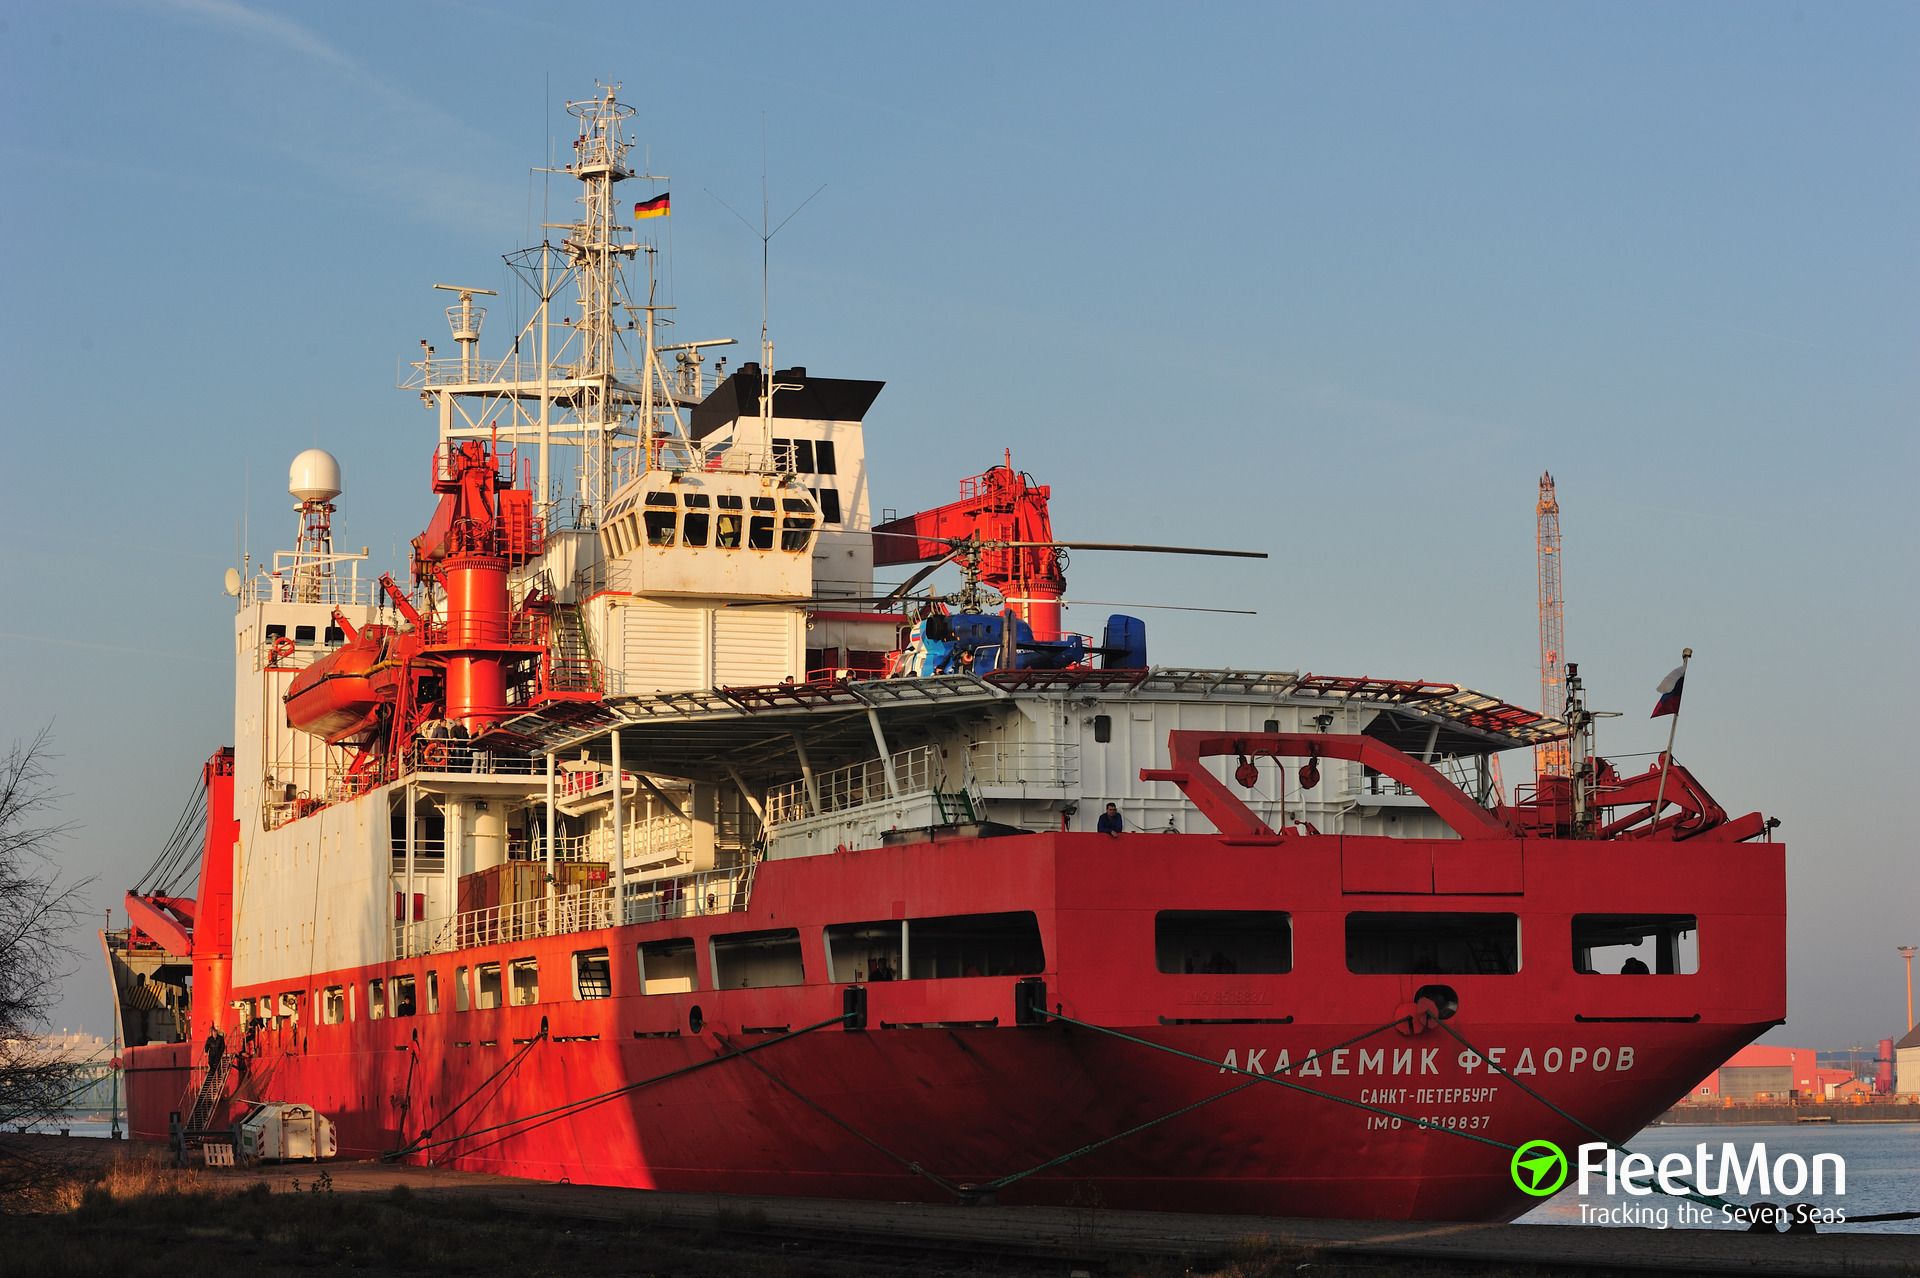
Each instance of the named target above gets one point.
<point>659,206</point>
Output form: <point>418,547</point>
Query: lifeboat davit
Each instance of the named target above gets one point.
<point>339,697</point>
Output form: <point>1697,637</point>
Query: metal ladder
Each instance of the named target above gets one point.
<point>212,1090</point>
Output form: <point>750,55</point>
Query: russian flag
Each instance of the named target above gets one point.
<point>1669,691</point>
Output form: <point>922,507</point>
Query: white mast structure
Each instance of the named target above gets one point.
<point>571,380</point>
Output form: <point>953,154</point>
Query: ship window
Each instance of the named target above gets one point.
<point>1462,944</point>
<point>276,631</point>
<point>726,533</point>
<point>667,967</point>
<point>290,1008</point>
<point>376,999</point>
<point>660,527</point>
<point>696,528</point>
<point>460,991</point>
<point>823,458</point>
<point>755,960</point>
<point>525,975</point>
<point>1636,944</point>
<point>592,974</point>
<point>783,454</point>
<point>803,456</point>
<point>433,993</point>
<point>1273,725</point>
<point>796,505</point>
<point>403,996</point>
<point>1103,728</point>
<point>829,504</point>
<point>303,634</point>
<point>335,636</point>
<point>333,1005</point>
<point>760,532</point>
<point>698,501</point>
<point>486,986</point>
<point>760,503</point>
<point>795,534</point>
<point>974,945</point>
<point>1223,942</point>
<point>661,499</point>
<point>728,501</point>
<point>864,951</point>
<point>629,532</point>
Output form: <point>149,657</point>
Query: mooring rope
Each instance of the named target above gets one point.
<point>570,1108</point>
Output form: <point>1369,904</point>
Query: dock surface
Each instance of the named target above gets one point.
<point>1078,1234</point>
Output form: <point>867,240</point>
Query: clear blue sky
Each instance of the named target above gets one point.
<point>1337,281</point>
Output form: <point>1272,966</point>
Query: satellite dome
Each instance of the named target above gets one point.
<point>315,476</point>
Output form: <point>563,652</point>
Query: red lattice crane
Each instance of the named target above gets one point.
<point>1551,759</point>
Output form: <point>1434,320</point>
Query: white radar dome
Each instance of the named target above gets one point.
<point>315,476</point>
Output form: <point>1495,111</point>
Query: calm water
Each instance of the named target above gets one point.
<point>1883,1173</point>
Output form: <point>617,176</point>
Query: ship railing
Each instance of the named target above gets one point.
<point>691,895</point>
<point>311,583</point>
<point>566,847</point>
<point>460,756</point>
<point>915,771</point>
<point>724,891</point>
<point>647,840</point>
<point>582,910</point>
<point>423,849</point>
<point>1047,764</point>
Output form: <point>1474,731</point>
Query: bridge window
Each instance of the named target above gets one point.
<point>1636,944</point>
<point>524,981</point>
<point>667,967</point>
<point>333,1005</point>
<point>661,499</point>
<point>795,534</point>
<point>726,534</point>
<point>660,527</point>
<point>696,501</point>
<point>974,945</point>
<point>460,989</point>
<point>303,634</point>
<point>865,951</point>
<point>760,503</point>
<point>760,532</point>
<point>403,1004</point>
<point>757,960</point>
<point>1223,942</point>
<point>823,461</point>
<point>1416,944</point>
<point>829,504</point>
<point>796,505</point>
<point>696,527</point>
<point>729,501</point>
<point>592,975</point>
<point>486,986</point>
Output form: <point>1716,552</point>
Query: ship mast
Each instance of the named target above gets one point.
<point>587,375</point>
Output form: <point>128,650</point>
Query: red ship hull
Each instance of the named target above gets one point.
<point>942,1080</point>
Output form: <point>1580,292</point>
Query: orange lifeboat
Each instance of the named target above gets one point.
<point>338,698</point>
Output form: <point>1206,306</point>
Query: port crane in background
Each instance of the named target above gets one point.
<point>1552,758</point>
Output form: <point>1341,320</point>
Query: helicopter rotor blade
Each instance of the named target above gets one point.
<point>1151,550</point>
<point>1109,603</point>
